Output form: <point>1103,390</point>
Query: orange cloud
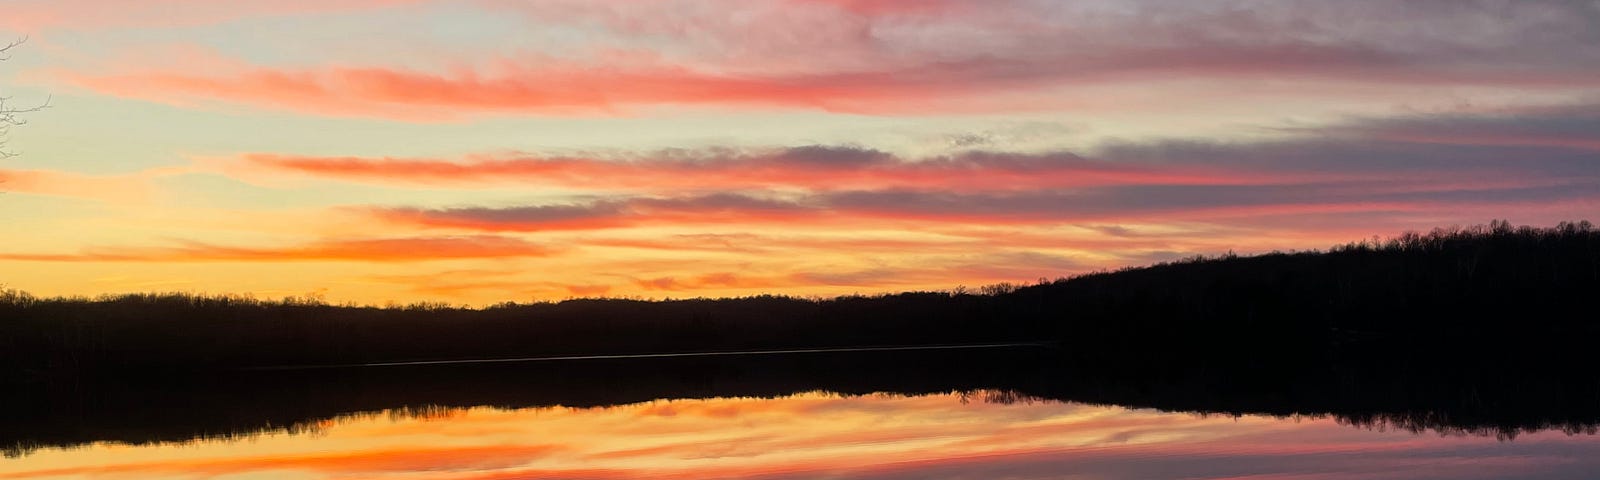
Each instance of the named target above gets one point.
<point>366,250</point>
<point>552,86</point>
<point>588,290</point>
<point>110,188</point>
<point>717,280</point>
<point>499,284</point>
<point>411,95</point>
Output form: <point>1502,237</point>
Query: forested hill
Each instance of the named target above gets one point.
<point>1496,284</point>
<point>1488,281</point>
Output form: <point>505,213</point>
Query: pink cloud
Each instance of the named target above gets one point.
<point>811,167</point>
<point>575,89</point>
<point>878,57</point>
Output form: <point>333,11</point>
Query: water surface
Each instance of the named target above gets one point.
<point>984,434</point>
<point>1383,410</point>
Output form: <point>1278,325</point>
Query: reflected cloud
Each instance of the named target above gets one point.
<point>818,434</point>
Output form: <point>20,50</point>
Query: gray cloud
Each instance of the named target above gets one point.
<point>1437,163</point>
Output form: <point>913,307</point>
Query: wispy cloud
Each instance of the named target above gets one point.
<point>923,57</point>
<point>816,167</point>
<point>1528,145</point>
<point>47,15</point>
<point>726,208</point>
<point>111,188</point>
<point>365,250</point>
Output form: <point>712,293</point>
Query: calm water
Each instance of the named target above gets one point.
<point>825,435</point>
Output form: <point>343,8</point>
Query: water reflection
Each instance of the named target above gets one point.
<point>1024,413</point>
<point>821,434</point>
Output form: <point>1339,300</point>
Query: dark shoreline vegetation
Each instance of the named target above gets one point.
<point>1483,330</point>
<point>1391,389</point>
<point>1494,283</point>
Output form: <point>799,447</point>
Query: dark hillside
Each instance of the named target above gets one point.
<point>1492,287</point>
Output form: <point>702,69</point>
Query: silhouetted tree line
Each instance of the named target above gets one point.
<point>1492,287</point>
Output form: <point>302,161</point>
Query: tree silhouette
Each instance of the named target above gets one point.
<point>1491,287</point>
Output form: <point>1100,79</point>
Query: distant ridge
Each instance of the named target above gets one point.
<point>1494,283</point>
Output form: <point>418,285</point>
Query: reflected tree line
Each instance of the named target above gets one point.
<point>1499,397</point>
<point>1477,330</point>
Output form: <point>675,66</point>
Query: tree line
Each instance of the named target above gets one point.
<point>1493,283</point>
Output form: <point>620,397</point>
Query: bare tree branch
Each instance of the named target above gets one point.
<point>11,115</point>
<point>9,46</point>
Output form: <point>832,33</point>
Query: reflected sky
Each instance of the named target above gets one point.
<point>823,435</point>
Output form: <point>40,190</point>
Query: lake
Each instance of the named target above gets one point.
<point>1023,412</point>
<point>818,434</point>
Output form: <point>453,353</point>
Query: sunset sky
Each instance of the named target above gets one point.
<point>481,151</point>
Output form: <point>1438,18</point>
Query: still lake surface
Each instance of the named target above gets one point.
<point>979,434</point>
<point>979,412</point>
